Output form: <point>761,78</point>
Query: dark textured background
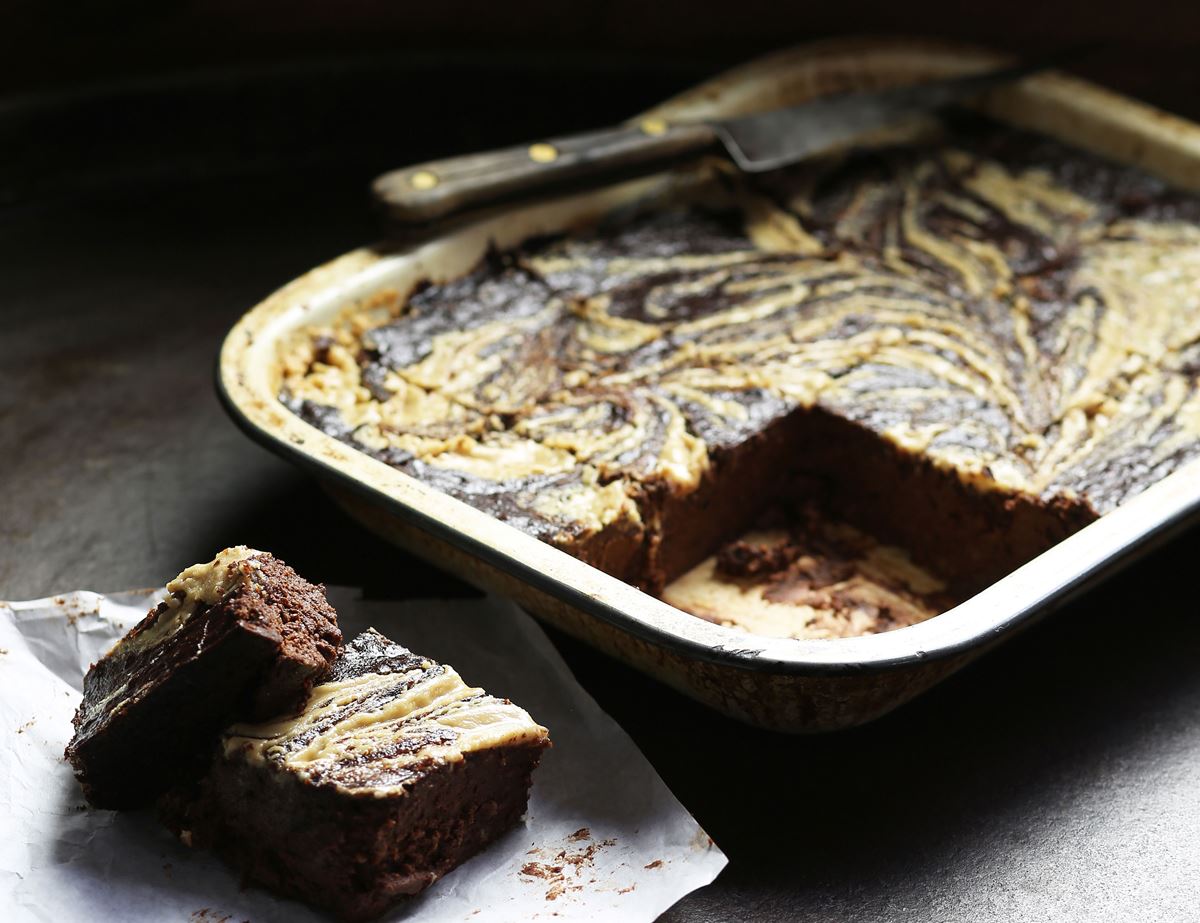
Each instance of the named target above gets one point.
<point>164,166</point>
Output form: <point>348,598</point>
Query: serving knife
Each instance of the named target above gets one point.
<point>761,141</point>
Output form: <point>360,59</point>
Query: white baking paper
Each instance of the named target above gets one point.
<point>604,838</point>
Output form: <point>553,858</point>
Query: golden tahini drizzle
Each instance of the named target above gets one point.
<point>373,733</point>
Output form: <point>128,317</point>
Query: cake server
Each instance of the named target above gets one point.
<point>757,142</point>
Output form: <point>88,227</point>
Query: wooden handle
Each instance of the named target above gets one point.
<point>435,190</point>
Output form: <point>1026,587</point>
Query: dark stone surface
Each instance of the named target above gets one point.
<point>1057,779</point>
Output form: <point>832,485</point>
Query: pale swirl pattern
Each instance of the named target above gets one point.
<point>385,718</point>
<point>1024,316</point>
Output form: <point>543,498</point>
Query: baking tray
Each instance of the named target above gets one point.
<point>779,683</point>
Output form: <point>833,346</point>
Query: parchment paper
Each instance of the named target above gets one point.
<point>604,838</point>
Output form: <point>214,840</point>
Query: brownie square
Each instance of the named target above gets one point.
<point>395,772</point>
<point>241,637</point>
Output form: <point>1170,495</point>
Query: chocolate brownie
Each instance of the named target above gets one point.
<point>969,347</point>
<point>241,637</point>
<point>394,772</point>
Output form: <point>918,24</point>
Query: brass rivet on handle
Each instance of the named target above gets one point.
<point>653,126</point>
<point>543,153</point>
<point>423,179</point>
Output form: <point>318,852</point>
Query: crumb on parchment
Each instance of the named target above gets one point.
<point>556,865</point>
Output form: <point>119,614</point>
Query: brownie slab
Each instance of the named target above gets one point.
<point>395,772</point>
<point>975,345</point>
<point>240,637</point>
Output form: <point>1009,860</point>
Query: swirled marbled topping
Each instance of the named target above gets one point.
<point>1023,316</point>
<point>384,719</point>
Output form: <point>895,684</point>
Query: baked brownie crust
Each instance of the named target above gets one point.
<point>240,637</point>
<point>309,636</point>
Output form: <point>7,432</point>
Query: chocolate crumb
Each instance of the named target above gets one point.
<point>540,870</point>
<point>206,915</point>
<point>746,559</point>
<point>575,860</point>
<point>657,863</point>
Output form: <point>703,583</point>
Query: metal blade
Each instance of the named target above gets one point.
<point>768,140</point>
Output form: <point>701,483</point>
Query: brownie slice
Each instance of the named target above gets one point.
<point>242,637</point>
<point>395,772</point>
